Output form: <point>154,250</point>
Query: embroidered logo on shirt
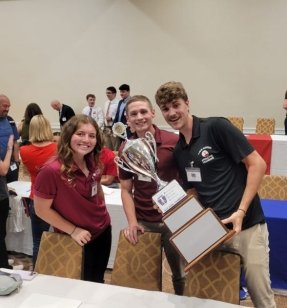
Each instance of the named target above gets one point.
<point>205,153</point>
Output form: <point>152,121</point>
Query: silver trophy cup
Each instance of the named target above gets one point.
<point>139,155</point>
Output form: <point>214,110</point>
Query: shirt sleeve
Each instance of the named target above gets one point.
<point>231,140</point>
<point>84,111</point>
<point>46,183</point>
<point>70,113</point>
<point>14,129</point>
<point>100,117</point>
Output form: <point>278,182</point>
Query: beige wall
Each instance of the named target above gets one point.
<point>229,54</point>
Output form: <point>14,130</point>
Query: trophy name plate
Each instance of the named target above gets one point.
<point>169,196</point>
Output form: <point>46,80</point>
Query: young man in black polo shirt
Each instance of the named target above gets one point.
<point>217,163</point>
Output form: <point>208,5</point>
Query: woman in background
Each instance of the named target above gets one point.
<point>110,169</point>
<point>69,196</point>
<point>23,128</point>
<point>33,157</point>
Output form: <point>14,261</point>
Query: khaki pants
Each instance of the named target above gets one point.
<point>253,246</point>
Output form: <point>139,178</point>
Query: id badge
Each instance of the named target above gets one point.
<point>144,178</point>
<point>13,167</point>
<point>193,174</point>
<point>94,189</point>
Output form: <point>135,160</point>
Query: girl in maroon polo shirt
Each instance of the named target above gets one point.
<point>68,194</point>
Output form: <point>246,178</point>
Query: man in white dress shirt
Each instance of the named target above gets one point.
<point>94,111</point>
<point>110,110</point>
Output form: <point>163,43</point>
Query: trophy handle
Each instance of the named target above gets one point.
<point>120,164</point>
<point>155,177</point>
<point>151,144</point>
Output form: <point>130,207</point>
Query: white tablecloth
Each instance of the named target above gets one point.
<point>56,292</point>
<point>279,155</point>
<point>118,217</point>
<point>22,241</point>
<point>19,241</point>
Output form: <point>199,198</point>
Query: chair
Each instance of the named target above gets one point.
<point>59,255</point>
<point>237,122</point>
<point>273,187</point>
<point>265,126</point>
<point>139,266</point>
<point>216,276</point>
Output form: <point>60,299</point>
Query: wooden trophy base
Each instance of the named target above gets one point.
<point>195,231</point>
<point>199,236</point>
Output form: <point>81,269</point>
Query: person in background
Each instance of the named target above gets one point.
<point>34,156</point>
<point>8,128</point>
<point>121,110</point>
<point>23,127</point>
<point>56,136</point>
<point>68,194</point>
<point>217,163</point>
<point>65,112</point>
<point>94,111</point>
<point>110,109</point>
<point>285,107</point>
<point>4,201</point>
<point>137,190</point>
<point>110,170</point>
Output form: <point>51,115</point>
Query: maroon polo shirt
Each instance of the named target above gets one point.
<point>73,200</point>
<point>166,170</point>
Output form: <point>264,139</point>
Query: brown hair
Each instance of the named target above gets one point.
<point>65,152</point>
<point>169,92</point>
<point>31,110</point>
<point>90,95</point>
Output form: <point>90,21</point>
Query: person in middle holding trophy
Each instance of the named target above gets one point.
<point>137,190</point>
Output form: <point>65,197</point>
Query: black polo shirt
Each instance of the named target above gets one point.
<point>217,148</point>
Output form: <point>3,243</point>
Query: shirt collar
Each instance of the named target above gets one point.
<point>126,99</point>
<point>90,160</point>
<point>195,131</point>
<point>157,135</point>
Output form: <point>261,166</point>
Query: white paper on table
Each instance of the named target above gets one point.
<point>47,301</point>
<point>21,188</point>
<point>108,190</point>
<point>25,275</point>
